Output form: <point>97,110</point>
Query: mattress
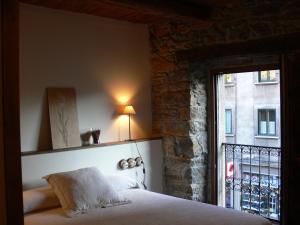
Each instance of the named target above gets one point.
<point>149,208</point>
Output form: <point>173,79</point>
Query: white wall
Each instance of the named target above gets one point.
<point>244,109</point>
<point>105,158</point>
<point>106,61</point>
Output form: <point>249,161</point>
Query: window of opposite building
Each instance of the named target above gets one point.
<point>228,121</point>
<point>229,79</point>
<point>267,76</point>
<point>267,122</point>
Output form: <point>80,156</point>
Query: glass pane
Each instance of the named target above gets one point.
<point>262,127</point>
<point>228,78</point>
<point>228,121</point>
<point>273,75</point>
<point>263,75</point>
<point>272,115</point>
<point>262,115</point>
<point>272,128</point>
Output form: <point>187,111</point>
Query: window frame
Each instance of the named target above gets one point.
<point>231,121</point>
<point>267,134</point>
<point>260,81</point>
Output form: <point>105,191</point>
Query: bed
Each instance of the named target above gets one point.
<point>149,208</point>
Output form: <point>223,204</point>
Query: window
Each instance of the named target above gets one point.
<point>267,122</point>
<point>228,121</point>
<point>229,79</point>
<point>267,76</point>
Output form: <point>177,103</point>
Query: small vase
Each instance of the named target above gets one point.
<point>96,136</point>
<point>91,139</point>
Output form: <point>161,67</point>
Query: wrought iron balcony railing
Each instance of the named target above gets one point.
<point>252,179</point>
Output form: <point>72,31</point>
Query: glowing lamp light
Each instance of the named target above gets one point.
<point>129,110</point>
<point>123,99</point>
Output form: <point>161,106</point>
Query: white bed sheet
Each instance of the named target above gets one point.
<point>149,208</point>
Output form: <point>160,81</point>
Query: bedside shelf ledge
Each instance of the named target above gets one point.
<point>28,153</point>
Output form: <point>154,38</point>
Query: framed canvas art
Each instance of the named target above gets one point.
<point>63,118</point>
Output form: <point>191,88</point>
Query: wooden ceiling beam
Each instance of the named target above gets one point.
<point>217,3</point>
<point>168,7</point>
<point>138,11</point>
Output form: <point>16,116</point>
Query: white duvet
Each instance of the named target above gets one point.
<point>148,208</point>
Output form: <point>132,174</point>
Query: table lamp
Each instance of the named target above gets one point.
<point>129,110</point>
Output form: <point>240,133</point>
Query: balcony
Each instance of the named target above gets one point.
<point>253,179</point>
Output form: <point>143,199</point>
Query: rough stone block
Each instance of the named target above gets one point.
<point>199,192</point>
<point>199,174</point>
<point>168,146</point>
<point>176,168</point>
<point>200,160</point>
<point>179,86</point>
<point>160,64</point>
<point>176,98</point>
<point>177,128</point>
<point>179,75</point>
<point>197,127</point>
<point>184,114</point>
<point>199,100</point>
<point>200,142</point>
<point>183,146</point>
<point>198,113</point>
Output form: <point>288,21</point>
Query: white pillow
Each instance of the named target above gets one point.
<point>81,190</point>
<point>120,183</point>
<point>38,199</point>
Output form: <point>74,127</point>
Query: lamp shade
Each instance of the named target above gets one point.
<point>129,110</point>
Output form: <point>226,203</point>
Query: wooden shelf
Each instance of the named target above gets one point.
<point>28,153</point>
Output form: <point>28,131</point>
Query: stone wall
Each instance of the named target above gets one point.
<point>179,89</point>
